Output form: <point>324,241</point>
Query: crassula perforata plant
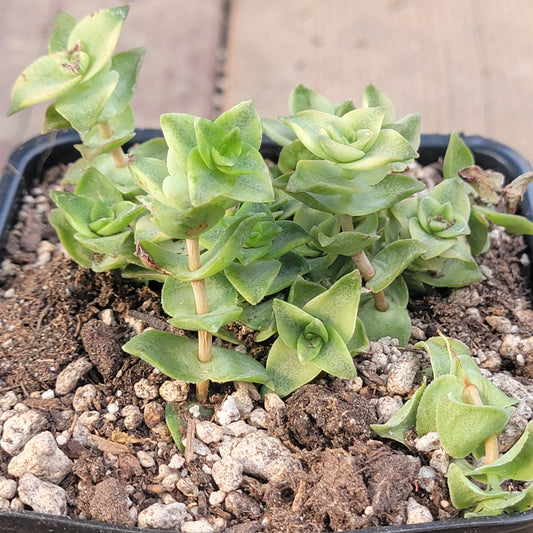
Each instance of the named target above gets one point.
<point>91,90</point>
<point>345,167</point>
<point>210,167</point>
<point>313,255</point>
<point>467,413</point>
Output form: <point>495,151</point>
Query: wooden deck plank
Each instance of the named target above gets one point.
<point>463,64</point>
<point>182,38</point>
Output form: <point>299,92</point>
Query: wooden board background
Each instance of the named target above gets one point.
<point>465,65</point>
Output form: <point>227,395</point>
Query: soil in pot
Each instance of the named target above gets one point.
<point>307,464</point>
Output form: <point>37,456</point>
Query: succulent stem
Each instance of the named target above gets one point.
<point>365,267</point>
<point>205,338</point>
<point>119,157</point>
<point>471,396</point>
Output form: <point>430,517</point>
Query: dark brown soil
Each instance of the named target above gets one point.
<point>51,315</point>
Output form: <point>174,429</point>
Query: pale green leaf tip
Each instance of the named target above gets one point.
<point>121,11</point>
<point>13,108</point>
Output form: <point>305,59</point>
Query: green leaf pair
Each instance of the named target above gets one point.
<point>516,464</point>
<point>80,74</point>
<point>314,333</point>
<point>463,428</point>
<point>217,159</point>
<point>177,357</point>
<point>94,223</point>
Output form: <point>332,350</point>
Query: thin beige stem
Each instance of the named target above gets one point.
<point>471,396</point>
<point>189,448</point>
<point>119,157</point>
<point>205,338</point>
<point>365,267</point>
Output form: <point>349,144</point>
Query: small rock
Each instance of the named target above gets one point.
<point>154,414</point>
<point>146,389</point>
<point>113,408</point>
<point>42,259</point>
<point>473,314</point>
<point>228,412</point>
<point>176,461</point>
<point>272,402</point>
<point>513,388</point>
<point>84,426</point>
<point>440,461</point>
<point>512,431</point>
<point>99,341</point>
<point>489,359</point>
<point>61,439</point>
<point>5,504</point>
<point>197,526</point>
<point>418,334</point>
<point>146,459</point>
<point>227,474</point>
<point>136,324</point>
<point>386,407</point>
<point>417,513</point>
<point>174,390</point>
<point>84,398</point>
<point>209,432</point>
<point>250,388</point>
<point>428,442</point>
<point>110,503</point>
<point>48,394</point>
<point>16,505</point>
<point>20,428</point>
<point>427,478</point>
<point>7,268</point>
<point>243,401</point>
<point>258,418</point>
<point>170,479</point>
<point>525,316</point>
<point>8,400</point>
<point>226,446</point>
<point>8,488</point>
<point>187,487</point>
<point>402,374</point>
<point>164,471</point>
<point>379,359</point>
<point>42,458</point>
<point>216,497</point>
<point>161,516</point>
<point>68,378</point>
<point>133,417</point>
<point>199,448</point>
<point>238,429</point>
<point>465,297</point>
<point>161,431</point>
<point>41,496</point>
<point>500,323</point>
<point>486,271</point>
<point>107,316</point>
<point>167,498</point>
<point>240,504</point>
<point>510,345</point>
<point>265,456</point>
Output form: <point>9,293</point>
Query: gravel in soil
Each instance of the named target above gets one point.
<point>308,464</point>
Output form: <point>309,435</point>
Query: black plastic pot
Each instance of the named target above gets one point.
<point>45,151</point>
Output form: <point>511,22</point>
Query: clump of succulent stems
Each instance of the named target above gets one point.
<point>314,254</point>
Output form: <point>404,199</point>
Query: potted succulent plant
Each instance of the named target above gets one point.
<point>283,266</point>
